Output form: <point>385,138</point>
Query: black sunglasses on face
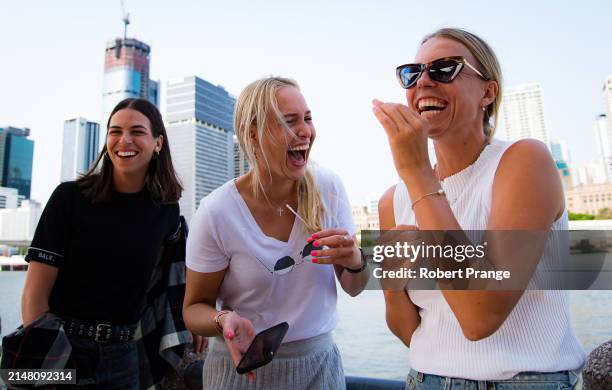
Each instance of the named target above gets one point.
<point>443,70</point>
<point>285,264</point>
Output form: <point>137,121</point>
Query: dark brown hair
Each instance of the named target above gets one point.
<point>161,181</point>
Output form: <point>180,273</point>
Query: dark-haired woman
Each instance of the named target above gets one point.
<point>98,241</point>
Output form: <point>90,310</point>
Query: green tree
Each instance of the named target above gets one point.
<point>580,216</point>
<point>604,213</point>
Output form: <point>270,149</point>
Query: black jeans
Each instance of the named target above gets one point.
<point>104,365</point>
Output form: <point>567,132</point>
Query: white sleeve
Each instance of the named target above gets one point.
<point>204,251</point>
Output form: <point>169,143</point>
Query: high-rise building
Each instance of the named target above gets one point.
<point>559,150</point>
<point>200,130</point>
<point>607,91</point>
<point>241,164</point>
<point>126,75</point>
<point>591,173</point>
<point>8,198</point>
<point>79,147</point>
<point>603,136</point>
<point>16,154</point>
<point>523,113</point>
<point>561,155</point>
<point>565,174</point>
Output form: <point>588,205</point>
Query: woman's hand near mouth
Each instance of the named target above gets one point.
<point>407,133</point>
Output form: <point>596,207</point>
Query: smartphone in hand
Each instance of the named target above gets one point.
<point>262,348</point>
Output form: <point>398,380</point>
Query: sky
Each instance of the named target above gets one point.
<point>343,54</point>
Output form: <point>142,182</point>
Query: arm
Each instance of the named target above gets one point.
<point>526,164</point>
<point>206,268</point>
<point>207,265</point>
<point>353,283</point>
<point>343,253</point>
<point>199,314</point>
<point>199,304</point>
<point>45,255</point>
<point>35,296</point>
<point>343,249</point>
<point>401,314</point>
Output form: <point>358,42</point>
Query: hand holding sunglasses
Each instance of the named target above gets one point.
<point>342,249</point>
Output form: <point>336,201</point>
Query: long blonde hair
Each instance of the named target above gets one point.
<point>256,108</point>
<point>489,66</point>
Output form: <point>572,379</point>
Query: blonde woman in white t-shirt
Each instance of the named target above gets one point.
<point>473,339</point>
<point>249,250</point>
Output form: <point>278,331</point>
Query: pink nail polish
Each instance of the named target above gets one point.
<point>316,243</point>
<point>313,236</point>
<point>314,253</point>
<point>314,260</point>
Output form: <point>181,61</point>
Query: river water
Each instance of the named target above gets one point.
<point>368,348</point>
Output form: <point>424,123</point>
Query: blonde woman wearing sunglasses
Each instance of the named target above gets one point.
<point>472,338</point>
<point>268,247</point>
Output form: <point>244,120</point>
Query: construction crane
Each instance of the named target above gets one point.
<point>126,19</point>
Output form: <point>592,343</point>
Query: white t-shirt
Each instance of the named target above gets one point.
<point>224,234</point>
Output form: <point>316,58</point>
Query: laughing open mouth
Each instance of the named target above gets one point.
<point>429,107</point>
<point>297,154</point>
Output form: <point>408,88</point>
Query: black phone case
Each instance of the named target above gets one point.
<point>267,341</point>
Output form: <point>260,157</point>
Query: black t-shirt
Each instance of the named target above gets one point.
<point>105,252</point>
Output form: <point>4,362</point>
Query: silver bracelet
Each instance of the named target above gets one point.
<point>439,192</point>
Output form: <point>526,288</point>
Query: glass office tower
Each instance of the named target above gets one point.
<point>199,124</point>
<point>16,155</point>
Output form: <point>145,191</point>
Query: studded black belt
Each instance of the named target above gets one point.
<point>98,331</point>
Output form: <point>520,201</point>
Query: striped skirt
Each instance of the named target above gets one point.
<point>313,363</point>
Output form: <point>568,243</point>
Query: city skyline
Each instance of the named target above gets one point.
<point>339,66</point>
<point>200,133</point>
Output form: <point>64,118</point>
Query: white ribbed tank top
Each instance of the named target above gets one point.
<point>536,336</point>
